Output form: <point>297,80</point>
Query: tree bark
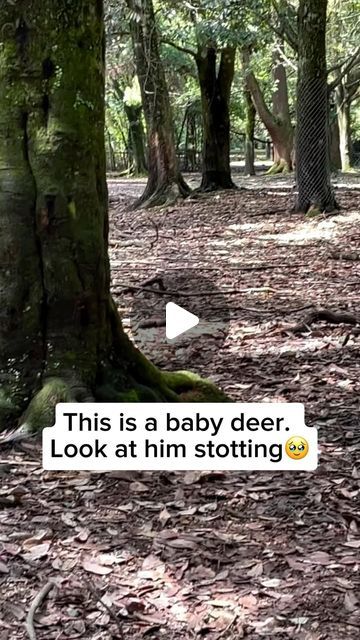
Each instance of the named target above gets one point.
<point>215,87</point>
<point>343,113</point>
<point>136,135</point>
<point>283,150</point>
<point>312,145</point>
<point>250,114</point>
<point>335,158</point>
<point>278,124</point>
<point>60,335</point>
<point>165,182</point>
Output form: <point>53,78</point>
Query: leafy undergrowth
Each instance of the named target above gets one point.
<point>214,555</point>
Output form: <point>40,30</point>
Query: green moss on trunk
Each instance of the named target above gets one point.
<point>60,334</point>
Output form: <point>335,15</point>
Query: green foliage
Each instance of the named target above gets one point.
<point>132,96</point>
<point>267,26</point>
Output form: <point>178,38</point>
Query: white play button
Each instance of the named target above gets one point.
<point>178,320</point>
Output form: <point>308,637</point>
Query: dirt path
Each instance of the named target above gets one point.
<point>234,555</point>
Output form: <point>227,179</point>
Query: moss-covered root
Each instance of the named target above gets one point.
<point>313,212</point>
<point>192,388</point>
<point>281,166</point>
<point>41,410</point>
<point>180,386</point>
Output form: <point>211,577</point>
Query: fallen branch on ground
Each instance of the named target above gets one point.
<point>151,323</point>
<point>198,294</point>
<point>325,315</point>
<point>39,598</point>
<point>146,284</point>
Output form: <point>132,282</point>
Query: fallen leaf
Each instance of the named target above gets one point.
<point>3,567</point>
<point>92,566</point>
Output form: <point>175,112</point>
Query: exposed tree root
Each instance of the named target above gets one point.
<point>341,317</point>
<point>214,181</point>
<point>162,194</point>
<point>126,377</point>
<point>312,208</point>
<point>280,166</point>
<point>192,388</point>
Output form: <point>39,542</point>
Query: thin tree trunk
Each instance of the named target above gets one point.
<point>136,130</point>
<point>60,335</point>
<point>112,161</point>
<point>334,136</point>
<point>283,149</point>
<point>343,114</point>
<point>165,182</point>
<point>335,158</point>
<point>190,141</point>
<point>250,112</point>
<point>215,90</point>
<point>312,145</point>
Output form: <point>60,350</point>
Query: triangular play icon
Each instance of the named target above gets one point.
<point>178,320</point>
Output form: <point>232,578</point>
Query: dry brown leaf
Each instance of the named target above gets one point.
<point>351,602</point>
<point>318,557</point>
<point>256,570</point>
<point>164,516</point>
<point>138,487</point>
<point>3,567</point>
<point>92,566</point>
<point>35,539</point>
<point>191,477</point>
<point>38,551</point>
<point>181,543</point>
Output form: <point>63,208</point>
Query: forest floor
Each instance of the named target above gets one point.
<point>211,555</point>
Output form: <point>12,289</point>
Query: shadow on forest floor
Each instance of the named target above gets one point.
<point>202,554</point>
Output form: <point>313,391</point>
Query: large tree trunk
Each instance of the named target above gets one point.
<point>277,124</point>
<point>312,145</point>
<point>215,87</point>
<point>250,114</point>
<point>136,135</point>
<point>165,183</point>
<point>60,335</point>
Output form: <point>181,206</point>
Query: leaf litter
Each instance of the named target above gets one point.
<point>211,554</point>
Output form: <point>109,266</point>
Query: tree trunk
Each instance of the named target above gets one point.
<point>312,145</point>
<point>165,182</point>
<point>343,113</point>
<point>279,126</point>
<point>215,90</point>
<point>335,158</point>
<point>60,335</point>
<point>250,114</point>
<point>136,130</point>
<point>334,136</point>
<point>111,154</point>
<point>283,148</point>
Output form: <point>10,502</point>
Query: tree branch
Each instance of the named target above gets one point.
<point>257,95</point>
<point>286,29</point>
<point>190,52</point>
<point>353,60</point>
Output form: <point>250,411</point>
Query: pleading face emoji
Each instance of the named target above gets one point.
<point>297,447</point>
